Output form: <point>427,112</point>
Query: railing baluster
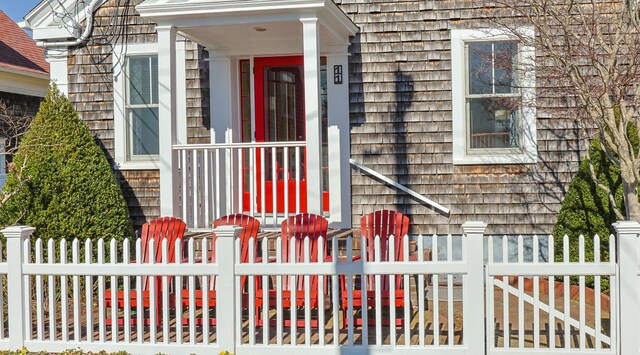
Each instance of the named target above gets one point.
<point>218,206</point>
<point>298,178</point>
<point>206,183</point>
<point>240,186</point>
<point>64,295</point>
<point>184,185</point>
<point>274,184</point>
<point>285,179</point>
<point>194,183</point>
<point>263,187</point>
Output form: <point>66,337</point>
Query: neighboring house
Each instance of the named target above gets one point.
<point>211,107</point>
<point>24,76</point>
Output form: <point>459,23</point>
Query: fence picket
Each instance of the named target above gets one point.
<point>375,277</point>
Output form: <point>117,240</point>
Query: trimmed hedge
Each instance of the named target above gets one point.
<point>586,209</point>
<point>71,191</point>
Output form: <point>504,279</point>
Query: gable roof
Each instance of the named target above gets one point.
<point>18,52</point>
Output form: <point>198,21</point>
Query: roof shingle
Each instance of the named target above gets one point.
<point>18,51</point>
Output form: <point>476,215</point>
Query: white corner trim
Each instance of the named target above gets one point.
<point>527,154</point>
<point>120,52</point>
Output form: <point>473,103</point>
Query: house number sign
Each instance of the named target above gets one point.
<point>337,74</point>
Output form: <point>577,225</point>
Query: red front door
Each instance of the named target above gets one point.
<point>280,117</point>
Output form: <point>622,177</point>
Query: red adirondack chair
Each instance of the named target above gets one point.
<point>299,227</point>
<point>250,228</point>
<point>383,223</point>
<point>158,229</point>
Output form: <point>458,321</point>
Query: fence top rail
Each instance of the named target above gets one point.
<point>287,144</point>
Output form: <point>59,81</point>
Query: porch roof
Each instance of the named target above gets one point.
<point>234,24</point>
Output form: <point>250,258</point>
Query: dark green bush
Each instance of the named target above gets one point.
<point>70,190</point>
<point>586,209</point>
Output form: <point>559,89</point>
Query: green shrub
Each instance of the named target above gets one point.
<point>70,190</point>
<point>586,209</point>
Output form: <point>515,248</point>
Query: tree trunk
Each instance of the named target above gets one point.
<point>629,188</point>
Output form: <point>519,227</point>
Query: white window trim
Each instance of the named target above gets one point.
<point>120,52</point>
<point>527,154</point>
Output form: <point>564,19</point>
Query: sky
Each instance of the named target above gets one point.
<point>16,9</point>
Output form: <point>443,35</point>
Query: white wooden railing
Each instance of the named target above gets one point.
<point>451,298</point>
<point>251,178</point>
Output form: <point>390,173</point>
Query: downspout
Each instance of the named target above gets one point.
<point>84,37</point>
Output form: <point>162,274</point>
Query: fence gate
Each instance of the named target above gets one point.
<point>537,303</point>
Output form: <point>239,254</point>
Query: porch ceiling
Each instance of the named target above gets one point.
<point>232,25</point>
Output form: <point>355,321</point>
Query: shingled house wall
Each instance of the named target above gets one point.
<point>401,126</point>
<point>91,92</point>
<point>401,121</point>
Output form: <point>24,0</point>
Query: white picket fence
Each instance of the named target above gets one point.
<point>450,298</point>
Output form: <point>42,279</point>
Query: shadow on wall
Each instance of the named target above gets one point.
<point>136,214</point>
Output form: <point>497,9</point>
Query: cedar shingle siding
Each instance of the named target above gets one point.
<point>91,92</point>
<point>400,84</point>
<point>401,126</point>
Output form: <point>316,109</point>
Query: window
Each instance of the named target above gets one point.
<point>493,98</point>
<point>142,107</point>
<point>136,142</point>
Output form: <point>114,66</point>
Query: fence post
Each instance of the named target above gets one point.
<point>628,307</point>
<point>226,295</point>
<point>474,305</point>
<point>15,237</point>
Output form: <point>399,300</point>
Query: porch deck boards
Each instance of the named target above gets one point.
<point>444,340</point>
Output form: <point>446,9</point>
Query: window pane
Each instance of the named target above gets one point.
<point>140,81</point>
<point>154,80</point>
<point>505,60</point>
<point>144,131</point>
<point>493,123</point>
<point>479,56</point>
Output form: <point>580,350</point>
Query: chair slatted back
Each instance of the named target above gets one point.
<point>171,228</point>
<point>250,228</point>
<point>299,227</point>
<point>384,223</point>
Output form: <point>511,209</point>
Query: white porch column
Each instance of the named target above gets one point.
<point>338,136</point>
<point>220,91</point>
<point>221,119</point>
<point>169,204</point>
<point>57,59</point>
<point>311,45</point>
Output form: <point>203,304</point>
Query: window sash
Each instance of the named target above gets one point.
<point>150,103</point>
<point>504,137</point>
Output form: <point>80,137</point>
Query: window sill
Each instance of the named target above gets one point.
<point>137,165</point>
<point>494,159</point>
